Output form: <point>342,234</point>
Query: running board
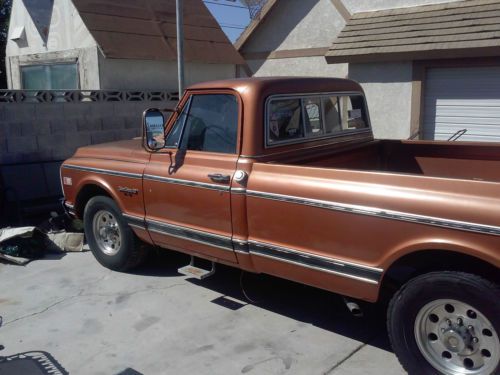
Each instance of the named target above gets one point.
<point>195,272</point>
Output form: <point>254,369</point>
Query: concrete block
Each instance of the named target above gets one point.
<point>63,126</point>
<point>133,122</point>
<point>75,140</point>
<point>14,129</point>
<point>89,124</point>
<point>113,123</point>
<point>37,156</point>
<point>7,158</point>
<point>77,110</point>
<point>53,111</point>
<point>22,145</point>
<point>20,111</point>
<point>41,127</point>
<point>53,178</point>
<point>50,142</point>
<point>28,180</point>
<point>104,136</point>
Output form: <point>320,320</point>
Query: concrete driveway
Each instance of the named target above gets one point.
<point>95,321</point>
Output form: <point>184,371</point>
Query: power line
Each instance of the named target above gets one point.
<point>232,27</point>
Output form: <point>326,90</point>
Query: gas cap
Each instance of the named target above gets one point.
<point>240,176</point>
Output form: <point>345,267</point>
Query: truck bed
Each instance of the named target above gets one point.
<point>459,160</point>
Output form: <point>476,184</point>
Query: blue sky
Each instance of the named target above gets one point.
<point>233,16</point>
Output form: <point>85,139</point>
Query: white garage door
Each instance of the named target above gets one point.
<point>462,98</point>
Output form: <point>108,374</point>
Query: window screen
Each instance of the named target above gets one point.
<point>50,77</point>
<point>212,124</point>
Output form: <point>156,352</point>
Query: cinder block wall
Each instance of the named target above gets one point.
<point>36,137</point>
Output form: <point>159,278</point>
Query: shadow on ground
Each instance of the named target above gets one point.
<point>296,301</point>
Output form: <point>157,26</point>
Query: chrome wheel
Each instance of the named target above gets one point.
<point>106,232</point>
<point>457,339</point>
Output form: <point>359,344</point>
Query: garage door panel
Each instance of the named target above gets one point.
<point>462,98</point>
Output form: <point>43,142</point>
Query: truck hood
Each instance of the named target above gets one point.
<point>129,150</point>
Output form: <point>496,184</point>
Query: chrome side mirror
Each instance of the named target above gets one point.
<point>153,129</point>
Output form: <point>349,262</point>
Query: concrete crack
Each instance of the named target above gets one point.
<point>356,350</point>
<point>81,294</point>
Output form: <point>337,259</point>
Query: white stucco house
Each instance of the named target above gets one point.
<point>429,67</point>
<point>109,44</point>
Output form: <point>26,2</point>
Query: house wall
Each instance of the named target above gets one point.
<point>65,31</point>
<point>291,25</point>
<point>388,89</point>
<point>132,74</point>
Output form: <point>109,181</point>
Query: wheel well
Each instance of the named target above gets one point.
<point>421,262</point>
<point>85,194</point>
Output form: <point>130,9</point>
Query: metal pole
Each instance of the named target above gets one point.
<point>180,45</point>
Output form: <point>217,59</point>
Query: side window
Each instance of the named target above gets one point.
<point>332,114</point>
<point>313,122</point>
<point>212,124</point>
<point>353,113</point>
<point>175,133</point>
<point>285,120</point>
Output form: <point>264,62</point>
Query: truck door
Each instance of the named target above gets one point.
<point>187,185</point>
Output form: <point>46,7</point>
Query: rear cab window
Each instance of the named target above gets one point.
<point>304,118</point>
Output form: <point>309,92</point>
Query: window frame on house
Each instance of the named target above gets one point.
<point>321,96</point>
<point>49,64</point>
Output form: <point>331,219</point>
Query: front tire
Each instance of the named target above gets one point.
<point>446,323</point>
<point>111,240</point>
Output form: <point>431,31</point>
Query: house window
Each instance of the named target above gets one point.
<point>50,77</point>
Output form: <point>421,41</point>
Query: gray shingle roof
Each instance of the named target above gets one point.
<point>454,29</point>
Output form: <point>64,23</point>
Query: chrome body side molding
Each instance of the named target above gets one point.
<point>103,171</point>
<point>189,183</point>
<point>379,212</point>
<point>337,267</point>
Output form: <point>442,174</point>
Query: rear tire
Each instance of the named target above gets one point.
<point>111,240</point>
<point>446,323</point>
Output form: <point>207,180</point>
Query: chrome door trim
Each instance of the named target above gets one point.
<point>177,181</point>
<point>194,235</point>
<point>102,171</point>
<point>360,272</point>
<point>135,221</point>
<point>382,213</point>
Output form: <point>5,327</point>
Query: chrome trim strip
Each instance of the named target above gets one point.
<point>102,171</point>
<point>69,205</point>
<point>241,246</point>
<point>135,221</point>
<point>189,183</point>
<point>238,191</point>
<point>350,270</point>
<point>177,231</point>
<point>378,212</point>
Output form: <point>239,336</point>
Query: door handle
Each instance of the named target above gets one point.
<point>217,177</point>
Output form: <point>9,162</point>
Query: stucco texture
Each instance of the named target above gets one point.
<point>388,88</point>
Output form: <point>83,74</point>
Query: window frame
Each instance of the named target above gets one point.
<point>50,64</point>
<point>188,102</point>
<point>301,97</point>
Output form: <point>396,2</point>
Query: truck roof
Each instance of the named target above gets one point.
<point>281,85</point>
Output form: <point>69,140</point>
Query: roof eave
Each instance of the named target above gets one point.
<point>333,58</point>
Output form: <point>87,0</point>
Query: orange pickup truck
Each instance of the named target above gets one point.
<point>283,176</point>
